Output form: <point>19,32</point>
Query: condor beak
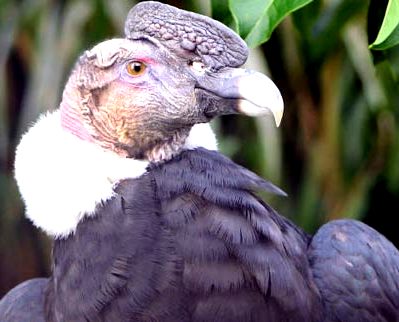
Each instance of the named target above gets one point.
<point>260,96</point>
<point>254,93</point>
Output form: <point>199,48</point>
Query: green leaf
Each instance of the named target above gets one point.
<point>247,13</point>
<point>388,36</point>
<point>256,19</point>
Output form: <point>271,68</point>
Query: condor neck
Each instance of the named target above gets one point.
<point>72,117</point>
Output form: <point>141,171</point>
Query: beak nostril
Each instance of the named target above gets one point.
<point>198,67</point>
<point>253,93</point>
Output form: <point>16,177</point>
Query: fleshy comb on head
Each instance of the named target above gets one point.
<point>187,34</point>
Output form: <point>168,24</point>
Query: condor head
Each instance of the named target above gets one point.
<point>140,96</point>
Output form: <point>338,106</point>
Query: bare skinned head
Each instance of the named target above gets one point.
<point>139,96</point>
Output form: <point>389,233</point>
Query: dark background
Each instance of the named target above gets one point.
<point>336,152</point>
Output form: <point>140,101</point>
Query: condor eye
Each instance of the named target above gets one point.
<point>135,68</point>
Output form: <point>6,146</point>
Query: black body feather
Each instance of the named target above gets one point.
<point>190,241</point>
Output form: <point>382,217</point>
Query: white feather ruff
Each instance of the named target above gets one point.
<point>62,178</point>
<point>201,135</point>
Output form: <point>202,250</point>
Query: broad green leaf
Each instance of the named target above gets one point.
<point>247,13</point>
<point>392,40</point>
<point>388,36</point>
<point>256,19</point>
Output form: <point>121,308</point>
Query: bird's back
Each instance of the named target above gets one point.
<point>357,272</point>
<point>25,303</point>
<point>242,261</point>
<point>188,241</point>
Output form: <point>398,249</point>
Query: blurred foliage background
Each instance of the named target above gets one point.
<point>336,153</point>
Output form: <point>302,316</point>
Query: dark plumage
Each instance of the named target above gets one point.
<point>25,302</point>
<point>189,239</point>
<point>205,248</point>
<point>357,272</point>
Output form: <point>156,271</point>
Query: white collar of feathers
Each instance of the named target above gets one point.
<point>62,178</point>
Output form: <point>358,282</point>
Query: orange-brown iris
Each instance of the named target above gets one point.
<point>136,68</point>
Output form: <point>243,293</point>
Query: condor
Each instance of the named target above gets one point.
<point>151,223</point>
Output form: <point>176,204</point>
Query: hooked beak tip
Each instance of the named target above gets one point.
<point>277,118</point>
<point>260,96</point>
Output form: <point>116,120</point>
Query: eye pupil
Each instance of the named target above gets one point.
<point>135,68</point>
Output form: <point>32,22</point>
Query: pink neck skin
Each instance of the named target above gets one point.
<point>71,118</point>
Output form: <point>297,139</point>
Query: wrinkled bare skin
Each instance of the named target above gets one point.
<point>147,117</point>
<point>190,77</point>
